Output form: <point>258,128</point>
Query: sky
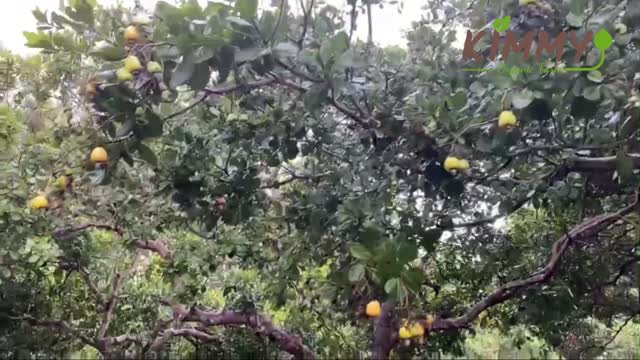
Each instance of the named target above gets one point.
<point>388,29</point>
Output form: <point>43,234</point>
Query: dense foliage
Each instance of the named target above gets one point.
<point>265,176</point>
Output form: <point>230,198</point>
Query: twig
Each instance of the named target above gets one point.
<point>117,284</point>
<point>92,286</point>
<point>283,3</point>
<point>615,335</point>
<point>180,112</point>
<point>155,246</point>
<point>57,324</point>
<point>305,22</point>
<point>370,22</point>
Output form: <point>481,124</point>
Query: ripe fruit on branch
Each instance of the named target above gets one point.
<point>416,330</point>
<point>374,309</point>
<point>132,63</point>
<point>39,202</point>
<point>124,75</point>
<point>453,163</point>
<point>507,119</point>
<point>132,33</point>
<point>61,182</point>
<point>154,67</point>
<point>99,155</point>
<point>404,333</point>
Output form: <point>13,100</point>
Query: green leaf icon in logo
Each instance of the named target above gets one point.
<point>603,40</point>
<point>502,24</point>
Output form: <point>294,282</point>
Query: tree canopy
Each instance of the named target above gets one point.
<point>242,182</point>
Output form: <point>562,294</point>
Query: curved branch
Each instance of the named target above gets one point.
<point>505,292</point>
<point>260,324</point>
<point>305,22</point>
<point>155,246</point>
<point>607,163</point>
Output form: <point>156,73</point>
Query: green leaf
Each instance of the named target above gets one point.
<point>407,251</point>
<point>201,76</point>
<point>358,251</point>
<point>147,154</point>
<point>151,125</point>
<point>624,166</point>
<point>238,21</point>
<point>630,126</point>
<point>603,40</point>
<point>391,286</point>
<point>250,54</point>
<point>413,279</point>
<point>459,99</point>
<point>38,40</point>
<point>522,99</point>
<point>578,6</point>
<point>395,288</point>
<point>109,53</point>
<point>183,72</point>
<point>595,76</point>
<point>370,234</point>
<point>80,10</point>
<point>332,48</point>
<point>575,20</point>
<point>592,93</point>
<point>356,273</point>
<point>315,97</point>
<point>285,49</point>
<point>39,15</point>
<point>430,238</point>
<point>247,9</point>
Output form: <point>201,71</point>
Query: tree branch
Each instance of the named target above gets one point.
<point>586,229</point>
<point>385,334</point>
<point>613,338</point>
<point>370,22</point>
<point>62,325</point>
<point>92,286</point>
<point>65,233</point>
<point>182,111</point>
<point>283,3</point>
<point>607,163</point>
<point>260,324</point>
<point>305,22</point>
<point>110,306</point>
<point>156,246</point>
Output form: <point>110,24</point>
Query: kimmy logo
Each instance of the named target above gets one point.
<point>545,44</point>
